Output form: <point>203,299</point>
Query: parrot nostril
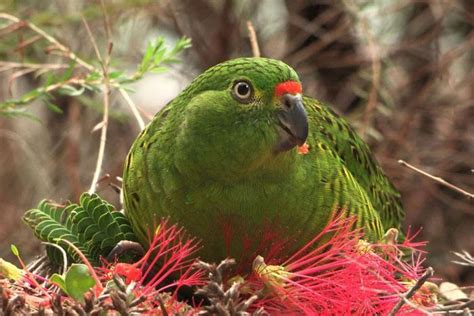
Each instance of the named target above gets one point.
<point>287,102</point>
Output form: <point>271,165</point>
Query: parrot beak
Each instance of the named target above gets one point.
<point>293,122</point>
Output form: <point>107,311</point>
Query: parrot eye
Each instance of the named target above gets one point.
<point>242,91</point>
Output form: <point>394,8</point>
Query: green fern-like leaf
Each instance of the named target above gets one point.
<point>93,226</point>
<point>50,223</point>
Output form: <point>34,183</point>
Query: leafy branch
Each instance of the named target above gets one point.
<point>74,76</point>
<point>79,76</point>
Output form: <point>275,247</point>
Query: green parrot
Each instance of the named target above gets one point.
<point>243,160</point>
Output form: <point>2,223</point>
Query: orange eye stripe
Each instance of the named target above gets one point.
<point>291,87</point>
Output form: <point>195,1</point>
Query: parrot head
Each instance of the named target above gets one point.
<point>239,116</point>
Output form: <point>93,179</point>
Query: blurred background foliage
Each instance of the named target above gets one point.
<point>400,70</point>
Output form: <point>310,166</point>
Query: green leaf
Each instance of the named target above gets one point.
<point>70,90</point>
<point>69,71</point>
<point>50,79</point>
<point>115,74</point>
<point>54,107</point>
<point>157,56</point>
<point>59,281</point>
<point>30,95</point>
<point>50,223</point>
<point>94,76</point>
<point>78,281</point>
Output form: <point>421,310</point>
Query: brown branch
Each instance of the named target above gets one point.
<point>419,283</point>
<point>9,65</point>
<point>437,179</point>
<point>253,40</point>
<point>27,42</point>
<point>325,40</point>
<point>55,86</point>
<point>309,28</point>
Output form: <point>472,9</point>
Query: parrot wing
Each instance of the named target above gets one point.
<point>139,186</point>
<point>330,129</point>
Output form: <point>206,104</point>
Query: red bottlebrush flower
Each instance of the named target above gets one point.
<point>170,254</point>
<point>129,271</point>
<point>169,257</point>
<point>336,274</point>
<point>174,252</point>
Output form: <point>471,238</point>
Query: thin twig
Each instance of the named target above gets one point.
<point>55,86</point>
<point>8,65</point>
<point>108,33</point>
<point>103,140</point>
<point>253,40</point>
<point>133,108</point>
<point>428,273</point>
<point>93,41</point>
<point>437,179</point>
<point>20,46</point>
<point>105,117</point>
<point>326,39</point>
<point>50,39</point>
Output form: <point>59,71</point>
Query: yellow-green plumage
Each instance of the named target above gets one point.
<point>220,165</point>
